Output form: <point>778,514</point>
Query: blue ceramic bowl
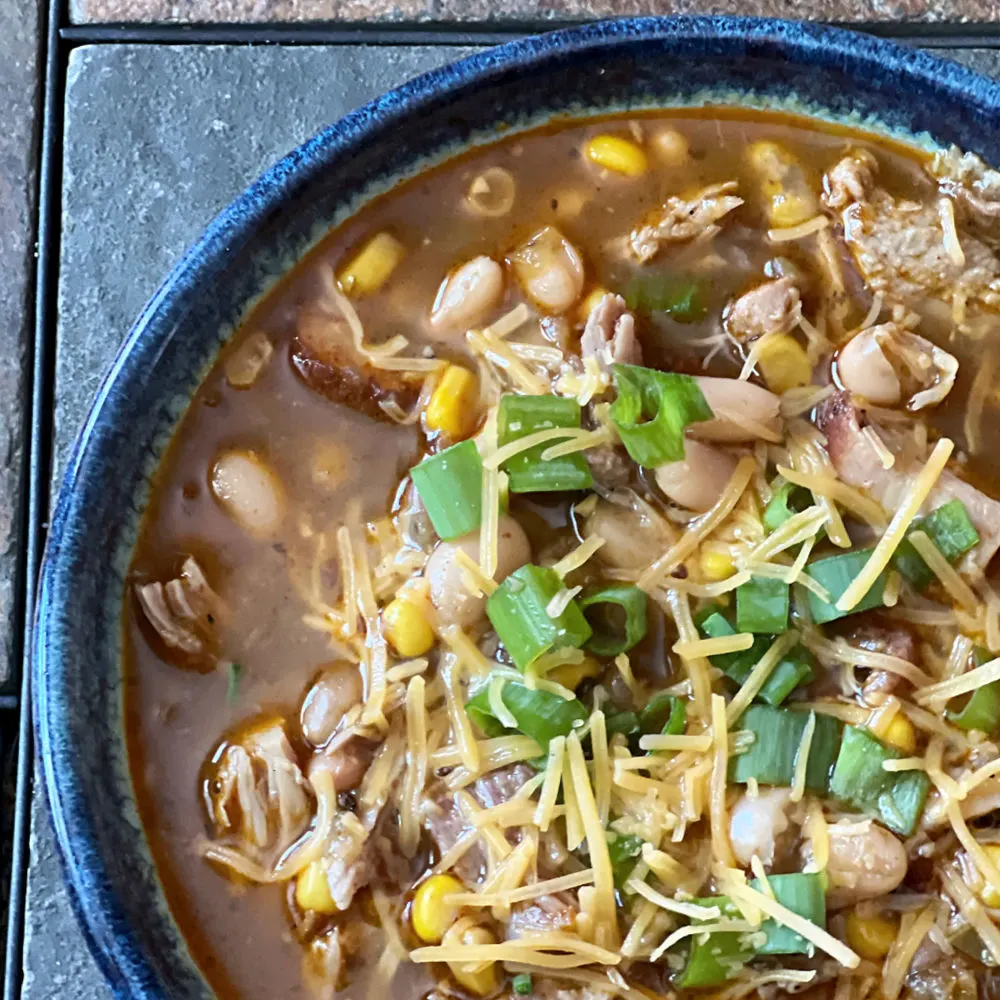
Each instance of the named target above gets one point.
<point>599,68</point>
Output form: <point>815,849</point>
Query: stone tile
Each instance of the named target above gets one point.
<point>521,10</point>
<point>18,98</point>
<point>139,187</point>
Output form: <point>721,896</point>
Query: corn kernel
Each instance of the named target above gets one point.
<point>371,266</point>
<point>783,184</point>
<point>871,936</point>
<point>988,894</point>
<point>312,889</point>
<point>407,628</point>
<point>783,363</point>
<point>430,915</point>
<point>617,154</point>
<point>480,978</point>
<point>589,304</point>
<point>453,406</point>
<point>901,734</point>
<point>716,565</point>
<point>670,147</point>
<point>572,675</point>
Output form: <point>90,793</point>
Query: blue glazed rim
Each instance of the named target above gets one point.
<point>886,69</point>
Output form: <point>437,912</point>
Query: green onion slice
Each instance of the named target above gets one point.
<point>762,606</point>
<point>450,485</point>
<point>519,611</point>
<point>836,574</point>
<point>541,715</point>
<point>896,798</point>
<point>624,851</point>
<point>623,723</point>
<point>680,296</point>
<point>787,501</point>
<point>608,642</point>
<point>519,416</point>
<point>777,737</point>
<point>950,529</point>
<point>521,984</point>
<point>720,957</point>
<point>795,668</point>
<point>652,410</point>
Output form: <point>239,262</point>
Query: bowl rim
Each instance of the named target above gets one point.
<point>109,937</point>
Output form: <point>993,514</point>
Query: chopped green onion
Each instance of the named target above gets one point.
<point>521,984</point>
<point>803,893</point>
<point>762,606</point>
<point>788,500</point>
<point>233,682</point>
<point>952,532</point>
<point>896,798</point>
<point>624,850</point>
<point>518,610</point>
<point>680,296</point>
<point>608,642</point>
<point>541,715</point>
<point>720,958</point>
<point>714,958</point>
<point>836,574</point>
<point>623,723</point>
<point>450,485</point>
<point>981,711</point>
<point>652,410</point>
<point>796,667</point>
<point>771,758</point>
<point>519,416</point>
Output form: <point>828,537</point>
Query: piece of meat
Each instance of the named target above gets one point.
<point>774,307</point>
<point>681,220</point>
<point>609,335</point>
<point>349,858</point>
<point>446,822</point>
<point>324,355</point>
<point>850,179</point>
<point>545,915</point>
<point>609,465</point>
<point>899,246</point>
<point>974,186</point>
<point>185,613</point>
<point>501,785</point>
<point>933,975</point>
<point>857,463</point>
<point>255,792</point>
<point>876,636</point>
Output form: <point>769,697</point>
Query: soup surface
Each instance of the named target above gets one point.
<point>575,579</point>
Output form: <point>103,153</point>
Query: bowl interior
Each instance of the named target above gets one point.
<point>592,70</point>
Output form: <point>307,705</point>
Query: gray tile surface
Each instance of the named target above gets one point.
<point>555,11</point>
<point>158,139</point>
<point>18,94</point>
<point>156,142</point>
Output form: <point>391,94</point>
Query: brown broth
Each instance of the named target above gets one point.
<point>241,935</point>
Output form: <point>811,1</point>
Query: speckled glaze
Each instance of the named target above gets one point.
<point>608,66</point>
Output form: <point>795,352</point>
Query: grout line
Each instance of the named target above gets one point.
<point>41,365</point>
<point>986,35</point>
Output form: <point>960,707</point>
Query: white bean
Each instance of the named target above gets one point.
<point>550,270</point>
<point>698,479</point>
<point>467,295</point>
<point>335,693</point>
<point>756,824</point>
<point>630,538</point>
<point>742,411</point>
<point>449,595</point>
<point>864,370</point>
<point>249,491</point>
<point>866,861</point>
